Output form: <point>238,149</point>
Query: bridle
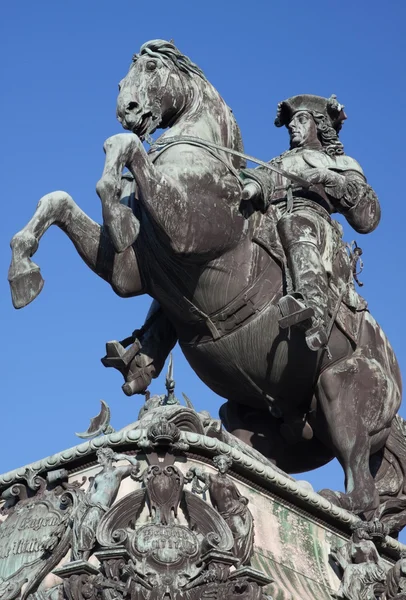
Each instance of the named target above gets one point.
<point>164,144</point>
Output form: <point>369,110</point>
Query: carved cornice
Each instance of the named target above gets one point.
<point>262,473</point>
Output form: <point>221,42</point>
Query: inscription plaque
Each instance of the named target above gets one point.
<point>166,544</point>
<point>33,538</point>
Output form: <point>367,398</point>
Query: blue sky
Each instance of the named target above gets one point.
<point>61,65</point>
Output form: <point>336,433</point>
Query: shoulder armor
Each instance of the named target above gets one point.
<point>338,163</point>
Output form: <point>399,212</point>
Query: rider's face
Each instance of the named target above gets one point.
<point>302,129</point>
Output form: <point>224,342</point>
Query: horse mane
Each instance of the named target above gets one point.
<point>163,49</point>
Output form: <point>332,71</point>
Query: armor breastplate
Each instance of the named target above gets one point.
<point>293,162</point>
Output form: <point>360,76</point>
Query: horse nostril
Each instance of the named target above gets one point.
<point>132,105</point>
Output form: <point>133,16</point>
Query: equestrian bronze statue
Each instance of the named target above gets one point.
<point>248,272</point>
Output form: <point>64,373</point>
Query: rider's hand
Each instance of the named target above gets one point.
<point>252,191</point>
<point>323,176</point>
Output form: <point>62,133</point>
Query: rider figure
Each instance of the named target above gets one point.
<point>307,233</point>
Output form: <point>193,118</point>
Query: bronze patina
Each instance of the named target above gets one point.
<point>247,270</point>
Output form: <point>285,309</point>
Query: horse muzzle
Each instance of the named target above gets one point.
<point>138,123</point>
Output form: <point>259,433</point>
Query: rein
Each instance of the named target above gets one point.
<point>188,139</point>
<point>192,141</point>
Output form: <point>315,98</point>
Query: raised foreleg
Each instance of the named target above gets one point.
<point>178,198</point>
<point>90,240</point>
<point>119,220</point>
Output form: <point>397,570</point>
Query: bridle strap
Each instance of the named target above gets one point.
<point>188,139</point>
<point>193,142</point>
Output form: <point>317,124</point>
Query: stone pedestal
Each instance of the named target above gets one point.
<point>165,510</point>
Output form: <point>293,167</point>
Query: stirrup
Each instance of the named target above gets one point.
<point>316,338</point>
<point>293,311</point>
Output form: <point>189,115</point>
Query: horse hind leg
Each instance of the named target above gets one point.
<point>350,396</point>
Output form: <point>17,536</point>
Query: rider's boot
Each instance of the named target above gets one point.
<point>141,357</point>
<point>308,305</point>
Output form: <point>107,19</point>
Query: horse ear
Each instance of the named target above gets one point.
<point>172,41</point>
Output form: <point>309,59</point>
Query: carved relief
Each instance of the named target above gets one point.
<point>35,535</point>
<point>158,542</point>
<point>226,498</point>
<point>162,541</point>
<point>395,586</point>
<point>363,570</point>
<point>100,495</point>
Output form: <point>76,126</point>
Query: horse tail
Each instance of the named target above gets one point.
<point>390,478</point>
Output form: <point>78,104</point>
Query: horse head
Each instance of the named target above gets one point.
<point>163,88</point>
<point>154,91</point>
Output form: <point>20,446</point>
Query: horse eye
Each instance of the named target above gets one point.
<point>151,65</point>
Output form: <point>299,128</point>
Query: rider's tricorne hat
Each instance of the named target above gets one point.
<point>328,107</point>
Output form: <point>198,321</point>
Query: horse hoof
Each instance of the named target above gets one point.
<point>25,287</point>
<point>138,385</point>
<point>123,227</point>
<point>138,379</point>
<point>129,388</point>
<point>114,356</point>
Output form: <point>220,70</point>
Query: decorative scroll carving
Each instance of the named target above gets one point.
<point>184,550</point>
<point>159,542</point>
<point>80,580</point>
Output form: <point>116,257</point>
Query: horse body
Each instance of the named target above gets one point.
<point>267,373</point>
<point>186,242</point>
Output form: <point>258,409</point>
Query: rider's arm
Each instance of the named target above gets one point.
<point>258,187</point>
<point>351,196</point>
<point>359,203</point>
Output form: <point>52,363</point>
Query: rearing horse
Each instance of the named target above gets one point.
<point>182,237</point>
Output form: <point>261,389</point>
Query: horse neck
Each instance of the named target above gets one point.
<point>206,116</point>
